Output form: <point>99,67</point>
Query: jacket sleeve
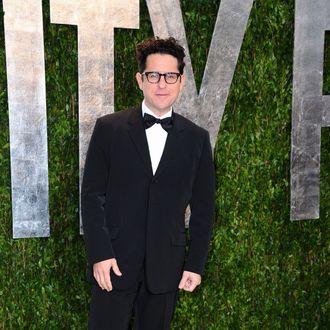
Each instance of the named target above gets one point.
<point>93,196</point>
<point>202,206</point>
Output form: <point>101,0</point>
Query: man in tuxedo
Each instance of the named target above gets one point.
<point>143,168</point>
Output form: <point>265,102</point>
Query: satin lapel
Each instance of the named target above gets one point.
<point>172,146</point>
<point>138,137</point>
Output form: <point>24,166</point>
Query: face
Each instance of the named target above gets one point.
<point>160,97</point>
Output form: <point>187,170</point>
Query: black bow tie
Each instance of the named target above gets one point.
<point>148,120</point>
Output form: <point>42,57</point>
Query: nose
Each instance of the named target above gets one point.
<point>162,82</point>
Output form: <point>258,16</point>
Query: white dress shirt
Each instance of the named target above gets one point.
<point>156,137</point>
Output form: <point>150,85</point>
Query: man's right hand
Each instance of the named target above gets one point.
<point>101,272</point>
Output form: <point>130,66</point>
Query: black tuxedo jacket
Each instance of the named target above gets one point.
<point>139,218</point>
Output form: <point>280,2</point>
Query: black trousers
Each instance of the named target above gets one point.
<point>119,310</point>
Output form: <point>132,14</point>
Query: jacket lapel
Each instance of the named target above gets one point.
<point>138,137</point>
<point>172,145</point>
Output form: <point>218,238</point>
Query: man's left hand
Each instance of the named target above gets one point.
<point>190,281</point>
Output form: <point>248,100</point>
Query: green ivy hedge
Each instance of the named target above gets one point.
<point>263,272</point>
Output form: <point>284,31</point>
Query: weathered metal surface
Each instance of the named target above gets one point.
<point>310,108</point>
<point>96,21</point>
<point>27,117</point>
<point>207,107</point>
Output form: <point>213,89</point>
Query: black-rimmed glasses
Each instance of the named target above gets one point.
<point>154,77</point>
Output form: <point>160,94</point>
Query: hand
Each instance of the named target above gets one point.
<point>190,281</point>
<point>101,272</point>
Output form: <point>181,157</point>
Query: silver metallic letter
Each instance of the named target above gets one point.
<point>96,21</point>
<point>27,117</point>
<point>310,107</point>
<point>207,108</point>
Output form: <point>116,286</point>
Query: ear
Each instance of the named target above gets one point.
<point>138,78</point>
<point>182,81</point>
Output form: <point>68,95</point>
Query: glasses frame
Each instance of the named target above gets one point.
<point>147,73</point>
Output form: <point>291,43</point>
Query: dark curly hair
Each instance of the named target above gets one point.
<point>156,45</point>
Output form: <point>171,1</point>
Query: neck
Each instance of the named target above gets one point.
<point>160,113</point>
<point>157,113</point>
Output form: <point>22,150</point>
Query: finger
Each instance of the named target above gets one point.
<point>99,280</point>
<point>187,284</point>
<point>103,280</point>
<point>116,269</point>
<point>107,281</point>
<point>191,285</point>
<point>183,281</point>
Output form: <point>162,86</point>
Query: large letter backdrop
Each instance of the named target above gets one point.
<point>96,21</point>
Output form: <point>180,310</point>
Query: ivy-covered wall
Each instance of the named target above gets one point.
<point>263,272</point>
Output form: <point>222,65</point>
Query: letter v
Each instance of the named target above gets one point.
<point>206,109</point>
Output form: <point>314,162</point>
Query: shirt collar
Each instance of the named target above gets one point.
<point>145,109</point>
